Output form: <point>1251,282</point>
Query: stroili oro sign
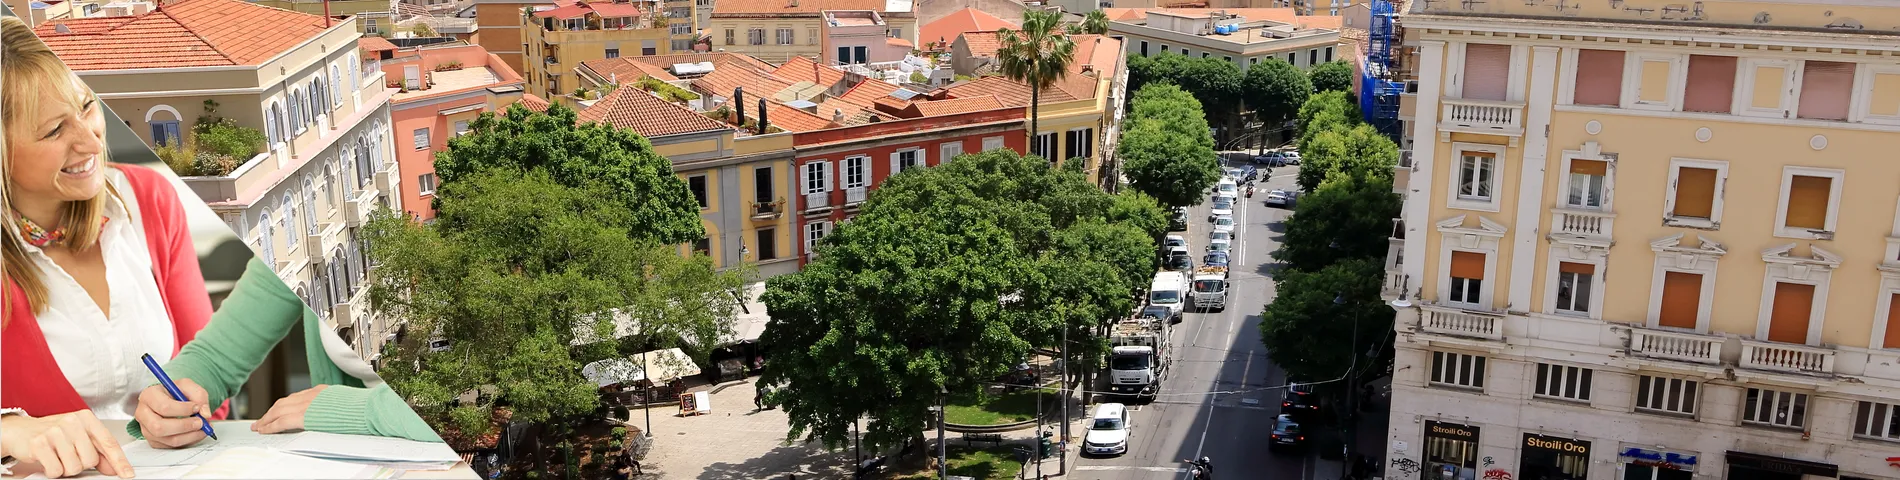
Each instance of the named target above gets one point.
<point>1451,430</point>
<point>1557,444</point>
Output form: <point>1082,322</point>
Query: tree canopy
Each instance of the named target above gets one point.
<point>944,281</point>
<point>1276,90</point>
<point>1166,147</point>
<point>1359,150</point>
<point>1038,55</point>
<point>1333,76</point>
<point>1312,337</point>
<point>1349,217</point>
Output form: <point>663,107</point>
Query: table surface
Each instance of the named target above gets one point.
<point>461,470</point>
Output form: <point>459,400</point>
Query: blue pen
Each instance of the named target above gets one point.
<point>172,388</point>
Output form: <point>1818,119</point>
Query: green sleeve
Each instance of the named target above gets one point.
<point>366,411</point>
<point>257,314</point>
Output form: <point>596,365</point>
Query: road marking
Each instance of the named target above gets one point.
<point>1118,468</point>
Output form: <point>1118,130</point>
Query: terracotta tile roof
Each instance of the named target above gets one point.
<point>723,80</point>
<point>854,114</point>
<point>186,33</point>
<point>1125,14</point>
<point>374,44</point>
<point>804,69</point>
<point>803,8</point>
<point>578,9</point>
<point>956,23</point>
<point>899,42</point>
<point>1005,90</point>
<point>1282,15</point>
<point>792,119</point>
<point>866,94</point>
<point>1327,22</point>
<point>982,44</point>
<point>646,114</point>
<point>625,70</point>
<point>958,105</point>
<point>534,103</point>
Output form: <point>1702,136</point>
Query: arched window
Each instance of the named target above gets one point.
<point>273,128</point>
<point>326,183</point>
<point>266,242</point>
<point>310,207</point>
<point>356,74</point>
<point>163,120</point>
<point>296,112</point>
<point>290,222</point>
<point>336,94</point>
<point>317,105</point>
<point>363,166</point>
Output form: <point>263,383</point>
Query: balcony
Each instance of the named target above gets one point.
<point>357,210</point>
<point>1581,224</point>
<point>1683,347</point>
<point>1482,116</point>
<point>1394,284</point>
<point>326,239</point>
<point>764,210</point>
<point>1786,357</point>
<point>854,195</point>
<point>1462,323</point>
<point>816,201</point>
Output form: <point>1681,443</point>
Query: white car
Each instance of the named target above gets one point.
<point>1220,245</point>
<point>1220,236</point>
<point>1108,431</point>
<point>1224,224</point>
<point>1220,209</point>
<point>1277,198</point>
<point>1227,187</point>
<point>1173,241</point>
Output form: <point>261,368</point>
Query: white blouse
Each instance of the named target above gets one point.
<point>99,354</point>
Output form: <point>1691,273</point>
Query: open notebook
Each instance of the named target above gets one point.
<point>256,463</point>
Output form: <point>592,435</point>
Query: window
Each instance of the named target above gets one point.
<point>814,232</point>
<point>461,127</point>
<point>422,138</point>
<point>1654,77</point>
<point>1487,72</point>
<point>649,47</point>
<point>762,184</point>
<point>1574,286</point>
<point>1475,176</point>
<point>290,222</point>
<point>767,242</point>
<point>949,151</point>
<point>1826,90</point>
<point>296,112</point>
<point>1227,59</point>
<point>1292,58</point>
<point>1312,57</point>
<point>1144,48</point>
<point>266,239</point>
<point>1586,183</point>
<point>811,36</point>
<point>1792,310</point>
<point>729,37</point>
<point>1775,408</point>
<point>1467,277</point>
<point>906,159</point>
<point>992,143</point>
<point>613,53</point>
<point>702,246</point>
<point>755,36</point>
<point>1711,85</point>
<point>272,124</point>
<point>784,36</point>
<point>1329,50</point>
<point>681,28</point>
<point>854,171</point>
<point>1681,300</point>
<point>425,184</point>
<point>1081,143</point>
<point>816,178</point>
<point>1164,48</point>
<point>1599,78</point>
<point>1877,420</point>
<point>1204,54</point>
<point>1253,61</point>
<point>1665,395</point>
<point>164,132</point>
<point>1695,197</point>
<point>1044,146</point>
<point>861,54</point>
<point>1562,381</point>
<point>1809,200</point>
<point>1891,337</point>
<point>697,184</point>
<point>682,45</point>
<point>1457,370</point>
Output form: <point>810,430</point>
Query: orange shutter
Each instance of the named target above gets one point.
<point>1695,192</point>
<point>1681,300</point>
<point>1893,322</point>
<point>1590,167</point>
<point>1583,268</point>
<point>1794,305</point>
<point>1807,202</point>
<point>1467,265</point>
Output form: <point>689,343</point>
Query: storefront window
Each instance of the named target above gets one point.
<point>1451,451</point>
<point>1646,464</point>
<point>1554,458</point>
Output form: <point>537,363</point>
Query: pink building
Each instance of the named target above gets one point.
<point>860,36</point>
<point>443,90</point>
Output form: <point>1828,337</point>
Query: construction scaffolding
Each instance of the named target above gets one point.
<point>1381,82</point>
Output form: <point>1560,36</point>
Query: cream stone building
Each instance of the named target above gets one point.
<point>1649,239</point>
<point>777,30</point>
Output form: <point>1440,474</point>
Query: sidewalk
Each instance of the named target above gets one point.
<point>1373,422</point>
<point>734,442</point>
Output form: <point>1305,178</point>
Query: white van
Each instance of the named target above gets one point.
<point>1169,290</point>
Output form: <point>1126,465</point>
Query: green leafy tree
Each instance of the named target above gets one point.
<point>1095,23</point>
<point>1322,323</point>
<point>1166,148</point>
<point>1349,217</point>
<point>1142,211</point>
<point>1357,150</point>
<point>1333,76</point>
<point>1038,55</point>
<point>1216,83</point>
<point>1275,90</point>
<point>573,155</point>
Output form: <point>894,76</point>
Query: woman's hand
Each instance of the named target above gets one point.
<point>287,413</point>
<point>64,445</point>
<point>168,423</point>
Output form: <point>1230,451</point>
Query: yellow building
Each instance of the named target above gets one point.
<point>1079,116</point>
<point>1629,246</point>
<point>372,16</point>
<point>776,30</point>
<point>562,35</point>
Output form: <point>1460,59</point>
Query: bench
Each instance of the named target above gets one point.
<point>991,438</point>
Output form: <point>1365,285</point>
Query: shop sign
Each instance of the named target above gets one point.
<point>1781,465</point>
<point>1652,458</point>
<point>1557,444</point>
<point>1452,431</point>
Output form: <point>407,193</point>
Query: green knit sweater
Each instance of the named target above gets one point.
<point>257,314</point>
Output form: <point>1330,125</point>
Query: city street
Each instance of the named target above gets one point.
<point>1222,394</point>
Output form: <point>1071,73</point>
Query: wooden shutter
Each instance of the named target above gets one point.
<point>1681,300</point>
<point>1711,84</point>
<point>1467,265</point>
<point>1893,322</point>
<point>1826,90</point>
<point>1590,167</point>
<point>1807,202</point>
<point>1599,77</point>
<point>1487,71</point>
<point>1788,320</point>
<point>1583,268</point>
<point>1695,192</point>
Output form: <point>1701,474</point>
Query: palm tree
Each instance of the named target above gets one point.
<point>1095,23</point>
<point>1039,56</point>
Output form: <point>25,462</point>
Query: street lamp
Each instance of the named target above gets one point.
<point>943,449</point>
<point>1352,385</point>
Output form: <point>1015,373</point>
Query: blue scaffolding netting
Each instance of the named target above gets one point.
<point>1379,89</point>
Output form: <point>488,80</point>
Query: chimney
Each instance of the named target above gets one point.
<point>762,120</point>
<point>793,3</point>
<point>837,116</point>
<point>738,105</point>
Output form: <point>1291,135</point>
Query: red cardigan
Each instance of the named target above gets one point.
<point>31,379</point>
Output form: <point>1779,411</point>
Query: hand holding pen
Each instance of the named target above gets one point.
<point>174,413</point>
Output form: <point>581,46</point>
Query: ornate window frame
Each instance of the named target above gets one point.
<point>1484,239</point>
<point>1673,256</point>
<point>1783,266</point>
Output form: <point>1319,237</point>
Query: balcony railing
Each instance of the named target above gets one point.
<point>766,209</point>
<point>1687,347</point>
<point>356,210</point>
<point>1394,283</point>
<point>1483,116</point>
<point>814,201</point>
<point>1786,357</point>
<point>854,195</point>
<point>1580,222</point>
<point>1463,323</point>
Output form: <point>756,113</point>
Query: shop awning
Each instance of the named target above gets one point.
<point>1781,465</point>
<point>667,365</point>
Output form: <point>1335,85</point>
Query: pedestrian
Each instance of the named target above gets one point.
<point>758,398</point>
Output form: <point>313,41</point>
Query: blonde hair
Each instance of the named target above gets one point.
<point>27,68</point>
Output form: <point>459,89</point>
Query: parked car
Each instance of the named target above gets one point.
<point>1278,198</point>
<point>1299,401</point>
<point>1225,223</point>
<point>1222,208</point>
<point>1214,259</point>
<point>1108,431</point>
<point>1171,241</point>
<point>1220,245</point>
<point>1286,434</point>
<point>1160,311</point>
<point>1178,221</point>
<point>1220,236</point>
<point>1179,260</point>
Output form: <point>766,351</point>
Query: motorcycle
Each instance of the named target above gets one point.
<point>1249,192</point>
<point>1202,469</point>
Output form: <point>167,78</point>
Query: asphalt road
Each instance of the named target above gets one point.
<point>1222,394</point>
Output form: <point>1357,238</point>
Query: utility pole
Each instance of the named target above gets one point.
<point>1062,461</point>
<point>943,449</point>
